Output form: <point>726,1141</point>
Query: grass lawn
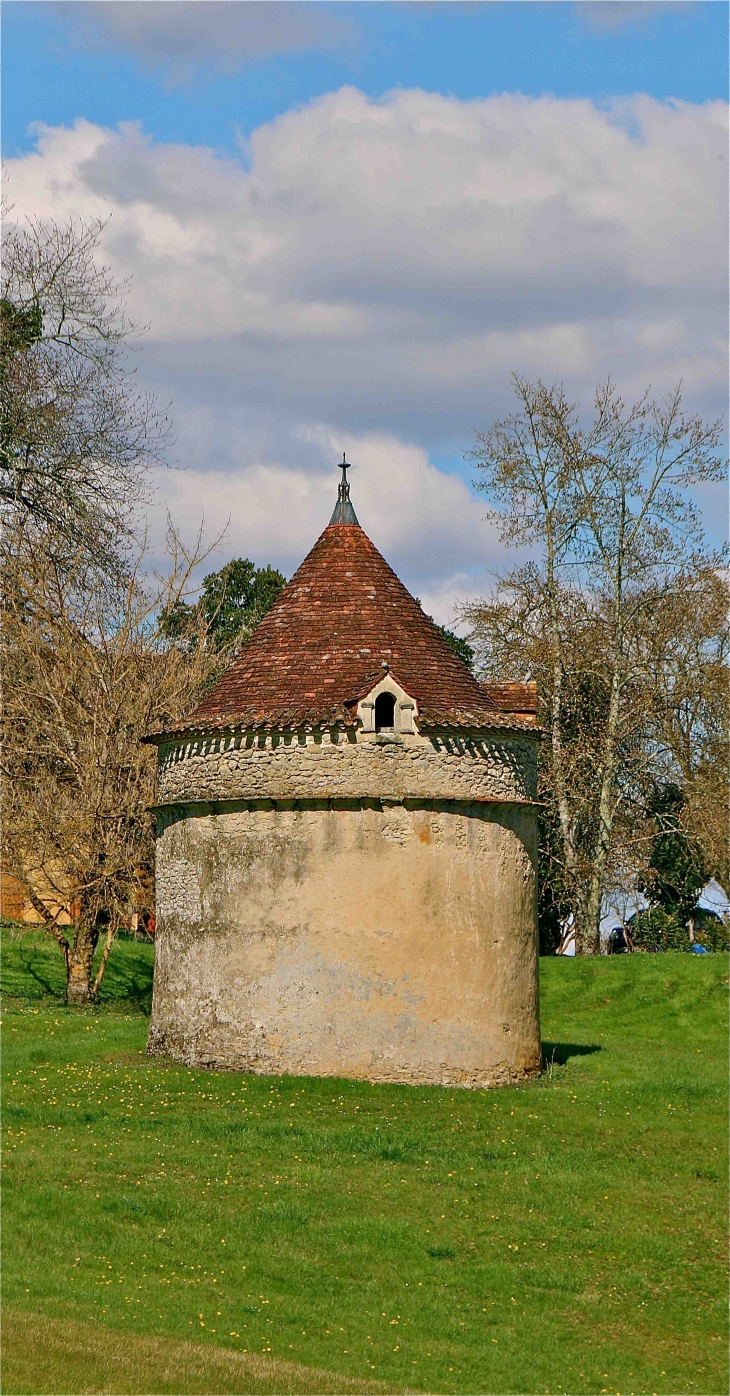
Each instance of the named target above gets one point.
<point>568,1235</point>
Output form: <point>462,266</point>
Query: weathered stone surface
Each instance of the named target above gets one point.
<point>453,766</point>
<point>346,886</point>
<point>392,943</point>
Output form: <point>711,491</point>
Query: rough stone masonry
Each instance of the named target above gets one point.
<point>346,846</point>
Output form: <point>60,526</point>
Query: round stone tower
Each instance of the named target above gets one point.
<point>346,844</point>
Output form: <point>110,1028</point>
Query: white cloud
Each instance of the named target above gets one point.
<point>422,520</point>
<point>610,16</point>
<point>181,34</point>
<point>380,267</point>
<point>410,220</point>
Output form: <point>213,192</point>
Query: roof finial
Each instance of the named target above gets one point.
<point>343,511</point>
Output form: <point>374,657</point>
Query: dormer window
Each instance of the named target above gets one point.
<point>387,708</point>
<point>385,712</point>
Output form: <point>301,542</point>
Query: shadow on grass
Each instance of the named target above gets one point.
<point>32,968</point>
<point>44,973</point>
<point>128,980</point>
<point>557,1053</point>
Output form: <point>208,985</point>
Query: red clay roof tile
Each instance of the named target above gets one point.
<point>514,697</point>
<point>322,645</point>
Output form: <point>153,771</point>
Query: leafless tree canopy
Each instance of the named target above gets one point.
<point>89,665</point>
<point>76,434</point>
<point>620,617</point>
<point>87,673</point>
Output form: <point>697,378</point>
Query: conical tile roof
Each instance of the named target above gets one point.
<point>322,646</point>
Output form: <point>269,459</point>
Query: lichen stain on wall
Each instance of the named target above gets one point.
<point>393,943</point>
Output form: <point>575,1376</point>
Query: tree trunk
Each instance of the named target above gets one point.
<point>556,743</point>
<point>556,718</point>
<point>588,940</point>
<point>111,932</point>
<point>79,986</point>
<point>50,922</point>
<point>588,931</point>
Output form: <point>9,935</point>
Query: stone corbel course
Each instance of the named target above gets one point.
<point>454,766</point>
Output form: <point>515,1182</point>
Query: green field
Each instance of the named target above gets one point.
<point>169,1230</point>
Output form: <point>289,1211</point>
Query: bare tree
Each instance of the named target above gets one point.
<point>87,667</point>
<point>684,651</point>
<point>606,508</point>
<point>87,671</point>
<point>675,720</point>
<point>76,435</point>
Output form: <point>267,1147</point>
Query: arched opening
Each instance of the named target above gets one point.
<point>385,712</point>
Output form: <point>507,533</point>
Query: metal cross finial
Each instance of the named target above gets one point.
<point>343,492</point>
<point>343,511</point>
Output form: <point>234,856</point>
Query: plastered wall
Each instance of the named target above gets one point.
<point>387,943</point>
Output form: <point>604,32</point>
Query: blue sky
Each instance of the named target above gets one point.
<point>56,67</point>
<point>347,224</point>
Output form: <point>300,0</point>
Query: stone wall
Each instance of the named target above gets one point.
<point>383,943</point>
<point>295,766</point>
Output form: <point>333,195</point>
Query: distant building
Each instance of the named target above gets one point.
<point>619,908</point>
<point>53,890</point>
<point>17,905</point>
<point>346,846</point>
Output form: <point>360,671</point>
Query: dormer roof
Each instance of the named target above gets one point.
<point>324,644</point>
